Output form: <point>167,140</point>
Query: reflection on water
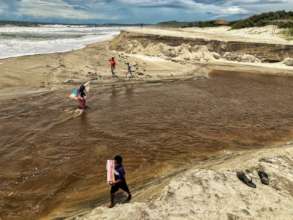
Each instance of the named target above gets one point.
<point>113,91</point>
<point>53,161</point>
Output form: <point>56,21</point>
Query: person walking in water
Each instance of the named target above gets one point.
<point>113,66</point>
<point>120,181</point>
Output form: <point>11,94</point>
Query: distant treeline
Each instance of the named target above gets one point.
<point>19,23</point>
<point>212,23</point>
<point>283,19</point>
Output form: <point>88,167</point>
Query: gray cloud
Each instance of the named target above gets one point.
<point>136,10</point>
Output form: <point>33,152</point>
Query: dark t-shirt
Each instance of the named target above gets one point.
<point>119,173</point>
<point>81,91</point>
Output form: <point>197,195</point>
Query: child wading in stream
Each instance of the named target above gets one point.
<point>120,181</point>
<point>82,97</point>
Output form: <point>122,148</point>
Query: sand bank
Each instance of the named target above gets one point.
<point>268,34</point>
<point>153,55</point>
<point>201,45</point>
<point>211,190</point>
<point>52,71</point>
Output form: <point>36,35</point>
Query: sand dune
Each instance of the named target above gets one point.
<point>212,191</point>
<point>267,34</point>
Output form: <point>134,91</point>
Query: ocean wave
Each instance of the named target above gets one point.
<point>20,41</point>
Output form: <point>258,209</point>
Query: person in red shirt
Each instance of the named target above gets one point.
<point>113,66</point>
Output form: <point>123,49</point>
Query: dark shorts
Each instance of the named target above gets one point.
<point>122,185</point>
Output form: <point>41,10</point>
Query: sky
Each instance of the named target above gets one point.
<point>134,11</point>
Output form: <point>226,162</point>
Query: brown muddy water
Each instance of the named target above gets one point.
<point>52,162</point>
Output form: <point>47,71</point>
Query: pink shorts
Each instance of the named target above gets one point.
<point>82,103</point>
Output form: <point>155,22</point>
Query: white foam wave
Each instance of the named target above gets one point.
<point>20,41</point>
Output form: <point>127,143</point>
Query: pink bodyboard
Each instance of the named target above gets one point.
<point>110,171</point>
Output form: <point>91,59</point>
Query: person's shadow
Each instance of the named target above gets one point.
<point>113,92</point>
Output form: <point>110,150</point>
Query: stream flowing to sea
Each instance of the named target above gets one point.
<point>52,162</point>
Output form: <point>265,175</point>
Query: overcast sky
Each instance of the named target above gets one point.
<point>134,11</point>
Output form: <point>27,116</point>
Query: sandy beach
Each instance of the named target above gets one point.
<point>50,71</point>
<point>211,190</point>
<point>203,104</point>
<point>152,61</point>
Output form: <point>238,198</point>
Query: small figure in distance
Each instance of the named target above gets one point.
<point>129,71</point>
<point>113,66</point>
<point>120,181</point>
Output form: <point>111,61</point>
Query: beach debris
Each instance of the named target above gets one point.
<point>216,55</point>
<point>92,75</point>
<point>264,178</point>
<point>242,176</point>
<point>68,81</point>
<point>247,58</point>
<point>288,61</point>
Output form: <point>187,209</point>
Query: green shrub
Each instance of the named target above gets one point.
<point>282,19</point>
<point>288,33</point>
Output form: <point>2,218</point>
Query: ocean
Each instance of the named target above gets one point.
<point>19,41</point>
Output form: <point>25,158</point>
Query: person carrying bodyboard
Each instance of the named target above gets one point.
<point>80,95</point>
<point>116,178</point>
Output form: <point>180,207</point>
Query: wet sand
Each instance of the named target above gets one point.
<point>54,164</point>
